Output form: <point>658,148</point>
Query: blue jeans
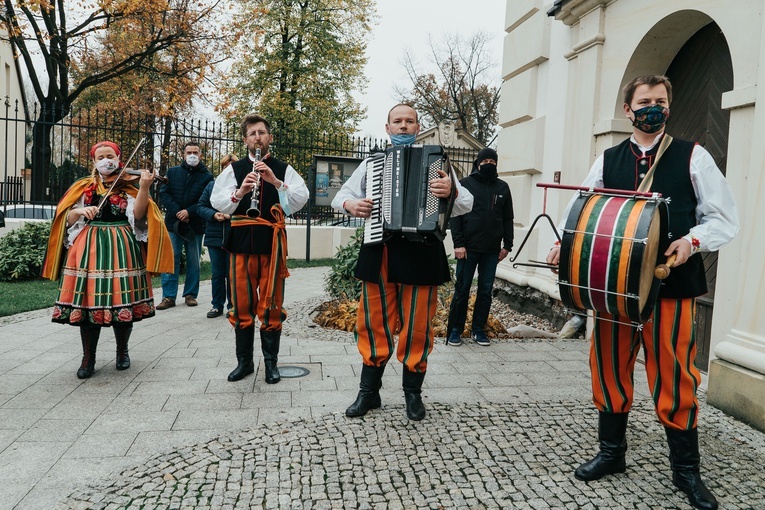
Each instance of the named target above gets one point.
<point>170,280</point>
<point>221,291</point>
<point>487,267</point>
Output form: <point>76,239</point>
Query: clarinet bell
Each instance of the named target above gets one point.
<point>253,212</point>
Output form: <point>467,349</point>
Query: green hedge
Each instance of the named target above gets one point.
<point>340,282</point>
<point>22,251</point>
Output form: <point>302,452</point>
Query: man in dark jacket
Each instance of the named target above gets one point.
<point>482,238</point>
<point>179,197</point>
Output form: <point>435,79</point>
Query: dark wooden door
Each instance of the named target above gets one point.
<point>700,73</point>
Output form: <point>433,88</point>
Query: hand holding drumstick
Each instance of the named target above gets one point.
<point>662,270</point>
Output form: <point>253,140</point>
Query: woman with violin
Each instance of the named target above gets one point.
<point>110,237</point>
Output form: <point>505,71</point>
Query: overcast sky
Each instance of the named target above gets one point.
<point>406,24</point>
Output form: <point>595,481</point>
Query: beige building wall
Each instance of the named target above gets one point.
<point>561,108</point>
<point>11,106</point>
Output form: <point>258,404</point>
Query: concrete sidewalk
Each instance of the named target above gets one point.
<point>506,425</point>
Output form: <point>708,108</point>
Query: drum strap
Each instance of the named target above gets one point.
<point>648,180</point>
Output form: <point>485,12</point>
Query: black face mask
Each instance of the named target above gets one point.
<point>488,170</point>
<point>651,119</point>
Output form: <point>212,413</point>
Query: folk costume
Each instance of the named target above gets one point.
<point>702,211</point>
<point>258,258</point>
<point>105,278</point>
<point>399,295</point>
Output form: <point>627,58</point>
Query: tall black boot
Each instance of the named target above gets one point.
<point>684,459</point>
<point>612,436</point>
<point>89,336</point>
<point>412,384</point>
<point>369,391</point>
<point>122,335</point>
<point>245,339</point>
<point>269,343</point>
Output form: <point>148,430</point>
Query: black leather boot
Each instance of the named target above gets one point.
<point>245,339</point>
<point>122,335</point>
<point>412,384</point>
<point>369,391</point>
<point>269,343</point>
<point>89,337</point>
<point>684,459</point>
<point>612,436</point>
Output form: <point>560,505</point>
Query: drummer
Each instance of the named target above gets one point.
<point>702,217</point>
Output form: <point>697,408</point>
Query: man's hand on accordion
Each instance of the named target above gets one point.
<point>360,208</point>
<point>441,187</point>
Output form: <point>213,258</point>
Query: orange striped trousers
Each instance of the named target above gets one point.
<point>249,276</point>
<point>389,308</point>
<point>669,345</point>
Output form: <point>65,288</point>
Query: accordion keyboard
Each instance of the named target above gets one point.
<point>373,227</point>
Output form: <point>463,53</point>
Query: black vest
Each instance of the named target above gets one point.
<point>255,239</point>
<point>672,178</point>
<point>409,262</point>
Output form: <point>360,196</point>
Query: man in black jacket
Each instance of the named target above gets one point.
<point>179,197</point>
<point>482,238</point>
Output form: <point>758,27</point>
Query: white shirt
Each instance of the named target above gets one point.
<point>716,212</point>
<point>293,194</point>
<point>356,187</point>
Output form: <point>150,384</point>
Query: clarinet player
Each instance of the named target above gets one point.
<point>400,280</point>
<point>257,243</point>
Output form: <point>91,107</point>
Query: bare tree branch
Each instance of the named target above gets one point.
<point>463,90</point>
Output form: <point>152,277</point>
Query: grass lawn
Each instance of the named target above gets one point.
<point>18,297</point>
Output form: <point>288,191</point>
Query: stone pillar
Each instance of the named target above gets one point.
<point>737,375</point>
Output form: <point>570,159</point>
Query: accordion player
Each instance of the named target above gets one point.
<point>398,185</point>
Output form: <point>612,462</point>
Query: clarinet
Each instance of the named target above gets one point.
<point>254,210</point>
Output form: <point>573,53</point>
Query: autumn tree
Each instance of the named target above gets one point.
<point>55,40</point>
<point>299,63</point>
<point>463,88</point>
<point>161,92</point>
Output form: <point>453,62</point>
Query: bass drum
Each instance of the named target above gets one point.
<point>609,251</point>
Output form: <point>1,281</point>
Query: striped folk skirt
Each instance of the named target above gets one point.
<point>104,279</point>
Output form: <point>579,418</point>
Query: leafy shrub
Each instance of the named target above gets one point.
<point>340,282</point>
<point>22,251</point>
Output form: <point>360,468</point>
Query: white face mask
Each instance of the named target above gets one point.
<point>107,166</point>
<point>192,160</point>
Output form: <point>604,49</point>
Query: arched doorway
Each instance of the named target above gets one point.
<point>700,72</point>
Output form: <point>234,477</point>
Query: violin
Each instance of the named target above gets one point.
<point>136,174</point>
<point>132,175</point>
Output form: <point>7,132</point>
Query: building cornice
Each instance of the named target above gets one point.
<point>571,11</point>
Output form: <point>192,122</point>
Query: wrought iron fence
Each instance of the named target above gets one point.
<point>70,141</point>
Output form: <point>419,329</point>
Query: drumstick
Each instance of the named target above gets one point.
<point>662,270</point>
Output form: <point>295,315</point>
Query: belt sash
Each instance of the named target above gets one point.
<point>278,263</point>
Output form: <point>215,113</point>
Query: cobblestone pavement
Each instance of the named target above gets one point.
<point>506,426</point>
<point>503,455</point>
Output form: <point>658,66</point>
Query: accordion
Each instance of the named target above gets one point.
<point>398,185</point>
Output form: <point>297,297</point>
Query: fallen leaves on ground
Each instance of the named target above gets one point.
<point>341,314</point>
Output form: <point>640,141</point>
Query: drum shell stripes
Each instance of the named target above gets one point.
<point>609,250</point>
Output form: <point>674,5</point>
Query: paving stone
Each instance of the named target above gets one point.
<point>506,427</point>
